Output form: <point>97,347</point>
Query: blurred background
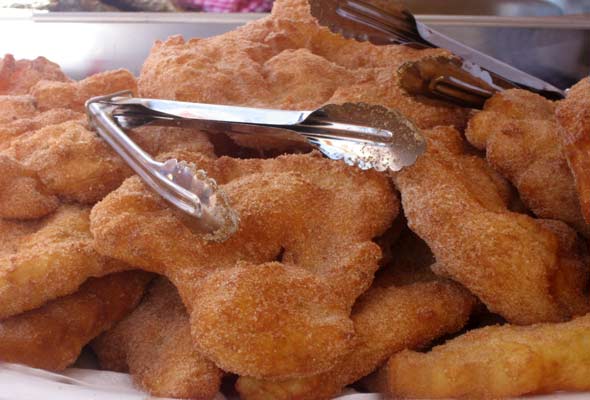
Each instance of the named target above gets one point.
<point>547,38</point>
<point>449,7</point>
<point>143,5</point>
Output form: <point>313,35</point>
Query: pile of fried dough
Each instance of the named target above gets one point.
<point>464,275</point>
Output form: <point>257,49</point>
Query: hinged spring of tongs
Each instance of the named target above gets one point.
<point>369,137</point>
<point>389,22</point>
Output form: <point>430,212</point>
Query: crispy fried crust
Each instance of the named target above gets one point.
<point>51,337</point>
<point>11,130</point>
<point>66,158</point>
<point>72,95</point>
<point>289,63</point>
<point>46,259</point>
<point>248,312</point>
<point>68,161</point>
<point>414,311</point>
<point>159,139</point>
<point>386,320</point>
<point>519,132</point>
<point>47,133</point>
<point>316,216</point>
<point>13,108</point>
<point>573,115</point>
<point>515,264</point>
<point>154,344</point>
<point>22,195</point>
<point>17,77</point>
<point>495,362</point>
<point>71,161</point>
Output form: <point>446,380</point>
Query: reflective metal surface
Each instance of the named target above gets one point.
<point>556,49</point>
<point>87,43</point>
<point>503,8</point>
<point>362,135</point>
<point>178,182</point>
<point>390,23</point>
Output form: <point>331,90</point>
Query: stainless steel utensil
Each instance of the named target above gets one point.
<point>386,22</point>
<point>366,136</point>
<point>505,8</point>
<point>361,135</point>
<point>178,182</point>
<point>447,78</point>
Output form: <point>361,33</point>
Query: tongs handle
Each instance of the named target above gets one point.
<point>292,125</point>
<point>390,22</point>
<point>498,70</point>
<point>459,91</point>
<point>364,135</point>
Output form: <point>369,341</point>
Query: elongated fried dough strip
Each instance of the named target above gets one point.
<point>47,259</point>
<point>573,115</point>
<point>11,130</point>
<point>288,62</point>
<point>71,161</point>
<point>519,132</point>
<point>51,337</point>
<point>154,344</point>
<point>515,264</point>
<point>496,362</point>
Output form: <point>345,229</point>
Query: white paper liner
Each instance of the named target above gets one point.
<point>24,383</point>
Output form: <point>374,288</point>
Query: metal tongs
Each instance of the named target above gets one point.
<point>369,137</point>
<point>190,190</point>
<point>468,79</point>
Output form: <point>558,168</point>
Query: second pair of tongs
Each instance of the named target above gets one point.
<point>366,136</point>
<point>468,79</point>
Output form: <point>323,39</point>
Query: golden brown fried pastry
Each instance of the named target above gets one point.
<point>52,336</point>
<point>573,115</point>
<point>11,130</point>
<point>515,264</point>
<point>270,319</point>
<point>403,309</point>
<point>495,362</point>
<point>68,161</point>
<point>287,61</point>
<point>251,315</point>
<point>519,132</point>
<point>71,161</point>
<point>72,95</point>
<point>46,259</point>
<point>22,195</point>
<point>159,139</point>
<point>17,77</point>
<point>13,108</point>
<point>154,344</point>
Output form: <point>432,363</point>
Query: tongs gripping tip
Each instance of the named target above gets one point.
<point>175,181</point>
